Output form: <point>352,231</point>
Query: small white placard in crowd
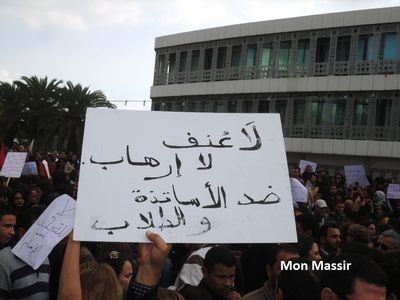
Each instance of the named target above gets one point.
<point>13,164</point>
<point>49,229</point>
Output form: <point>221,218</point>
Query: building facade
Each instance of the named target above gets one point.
<point>333,78</point>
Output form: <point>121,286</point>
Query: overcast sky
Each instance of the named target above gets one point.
<point>109,44</point>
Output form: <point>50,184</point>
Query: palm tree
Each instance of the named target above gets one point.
<point>12,113</point>
<point>43,110</point>
<point>40,97</point>
<point>72,104</point>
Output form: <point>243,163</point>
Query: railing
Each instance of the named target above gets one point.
<point>321,69</point>
<point>234,73</point>
<point>300,70</point>
<point>297,131</point>
<point>250,72</point>
<point>316,132</point>
<point>336,132</point>
<point>382,133</point>
<point>365,67</point>
<point>358,132</point>
<point>387,67</point>
<point>220,74</point>
<point>265,72</point>
<point>341,68</point>
<point>193,76</point>
<point>206,75</point>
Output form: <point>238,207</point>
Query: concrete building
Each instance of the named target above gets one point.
<point>333,78</point>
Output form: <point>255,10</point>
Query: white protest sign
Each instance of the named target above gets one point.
<point>48,230</point>
<point>393,191</point>
<point>304,163</point>
<point>192,177</point>
<point>30,168</point>
<point>299,191</point>
<point>355,174</point>
<point>13,164</point>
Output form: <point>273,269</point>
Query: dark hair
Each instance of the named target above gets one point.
<point>28,216</point>
<point>6,210</point>
<point>115,261</point>
<point>272,257</point>
<point>342,283</point>
<point>299,284</point>
<point>355,247</point>
<point>219,255</point>
<point>323,231</point>
<point>305,244</point>
<point>308,222</point>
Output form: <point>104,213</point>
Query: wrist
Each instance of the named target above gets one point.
<point>148,275</point>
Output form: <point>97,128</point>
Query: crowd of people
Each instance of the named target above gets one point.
<point>340,224</point>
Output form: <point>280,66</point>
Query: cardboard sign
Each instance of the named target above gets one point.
<point>393,191</point>
<point>191,177</point>
<point>304,163</point>
<point>30,168</point>
<point>49,229</point>
<point>299,191</point>
<point>356,175</point>
<point>13,164</point>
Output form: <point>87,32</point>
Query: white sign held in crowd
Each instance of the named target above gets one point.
<point>192,177</point>
<point>393,191</point>
<point>299,191</point>
<point>355,175</point>
<point>49,229</point>
<point>13,164</point>
<point>30,168</point>
<point>304,163</point>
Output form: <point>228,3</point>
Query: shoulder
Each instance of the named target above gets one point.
<point>256,295</point>
<point>194,292</point>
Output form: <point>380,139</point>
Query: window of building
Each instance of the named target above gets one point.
<point>360,112</point>
<point>179,106</point>
<point>251,55</point>
<point>284,52</point>
<point>161,64</point>
<point>182,61</point>
<point>382,112</point>
<point>235,58</point>
<point>221,58</point>
<point>232,106</point>
<point>263,106</point>
<point>322,54</point>
<point>208,54</point>
<point>157,106</point>
<point>191,106</point>
<point>303,52</point>
<point>247,106</point>
<point>280,108</point>
<point>365,47</point>
<point>388,46</point>
<point>299,107</point>
<point>194,63</point>
<point>218,106</point>
<point>343,48</point>
<point>338,112</point>
<point>166,106</point>
<point>205,106</point>
<point>171,63</point>
<point>318,108</point>
<point>266,54</point>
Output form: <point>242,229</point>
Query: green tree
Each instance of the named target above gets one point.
<point>12,113</point>
<point>46,110</point>
<point>72,105</point>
